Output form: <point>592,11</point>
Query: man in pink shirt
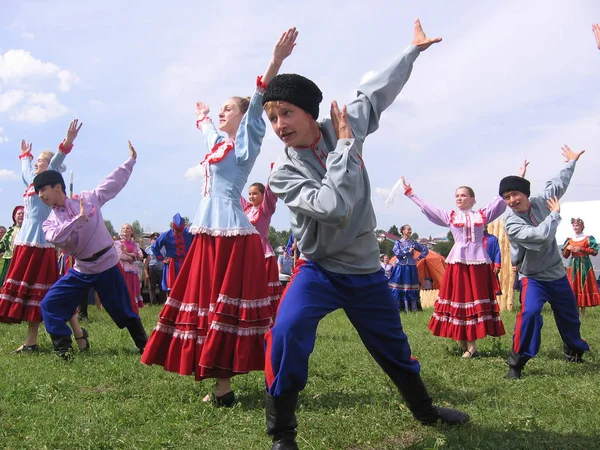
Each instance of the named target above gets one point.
<point>76,225</point>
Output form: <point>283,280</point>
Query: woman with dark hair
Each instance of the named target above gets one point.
<point>7,242</point>
<point>404,281</point>
<point>259,208</point>
<point>581,272</point>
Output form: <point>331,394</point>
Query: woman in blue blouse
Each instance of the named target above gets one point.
<point>404,282</point>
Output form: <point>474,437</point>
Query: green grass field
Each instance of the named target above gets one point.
<point>106,399</point>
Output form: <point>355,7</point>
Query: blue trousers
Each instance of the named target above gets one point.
<point>528,327</point>
<point>312,294</point>
<point>61,301</point>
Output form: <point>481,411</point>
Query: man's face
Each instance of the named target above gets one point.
<point>517,201</point>
<point>293,125</point>
<point>51,195</point>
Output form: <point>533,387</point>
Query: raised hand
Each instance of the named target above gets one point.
<point>421,40</point>
<point>553,204</point>
<point>285,45</point>
<point>339,120</point>
<point>523,169</point>
<point>82,210</point>
<point>132,151</point>
<point>72,132</point>
<point>570,155</point>
<point>596,30</point>
<point>25,147</point>
<point>405,185</point>
<point>202,109</point>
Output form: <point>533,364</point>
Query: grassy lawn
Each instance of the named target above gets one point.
<point>106,399</point>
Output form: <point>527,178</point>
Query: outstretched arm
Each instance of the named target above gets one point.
<point>596,30</point>
<point>205,124</point>
<point>557,186</point>
<point>432,212</point>
<point>379,92</point>
<point>65,147</point>
<point>26,157</point>
<point>116,181</point>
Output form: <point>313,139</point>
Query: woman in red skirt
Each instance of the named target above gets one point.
<point>218,311</point>
<point>259,208</point>
<point>129,254</point>
<point>466,309</point>
<point>33,268</point>
<point>581,271</point>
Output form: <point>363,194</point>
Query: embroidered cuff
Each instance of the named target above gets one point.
<point>260,86</point>
<point>408,191</point>
<point>64,149</point>
<point>202,120</point>
<point>25,155</point>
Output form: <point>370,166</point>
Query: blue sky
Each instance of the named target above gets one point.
<point>511,80</point>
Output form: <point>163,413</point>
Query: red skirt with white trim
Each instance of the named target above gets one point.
<point>217,314</point>
<point>275,286</point>
<point>32,272</point>
<point>466,309</point>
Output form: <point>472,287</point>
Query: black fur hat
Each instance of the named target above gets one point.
<point>297,90</point>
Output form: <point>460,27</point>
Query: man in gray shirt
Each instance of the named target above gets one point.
<point>323,181</point>
<point>531,229</point>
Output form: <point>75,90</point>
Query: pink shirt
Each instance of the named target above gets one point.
<point>128,262</point>
<point>466,227</point>
<point>68,229</point>
<point>260,217</point>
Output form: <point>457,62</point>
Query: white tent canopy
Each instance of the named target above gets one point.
<point>589,212</point>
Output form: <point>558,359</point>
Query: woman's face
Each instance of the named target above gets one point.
<point>41,164</point>
<point>126,231</point>
<point>463,199</point>
<point>230,117</point>
<point>19,217</point>
<point>255,196</point>
<point>577,227</point>
<point>386,259</point>
<point>407,232</point>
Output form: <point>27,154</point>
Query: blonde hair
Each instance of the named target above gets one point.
<point>242,102</point>
<point>48,155</point>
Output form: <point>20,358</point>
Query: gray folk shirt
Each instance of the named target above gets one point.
<point>532,235</point>
<point>327,188</point>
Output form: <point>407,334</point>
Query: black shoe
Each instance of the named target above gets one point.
<point>62,346</point>
<point>514,373</point>
<point>281,420</point>
<point>138,333</point>
<point>226,400</point>
<point>419,402</point>
<point>25,349</point>
<point>85,337</point>
<point>573,356</point>
<point>515,363</point>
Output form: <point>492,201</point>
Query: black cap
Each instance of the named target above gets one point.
<point>297,90</point>
<point>48,178</point>
<point>514,183</point>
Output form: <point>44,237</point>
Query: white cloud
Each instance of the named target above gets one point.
<point>2,138</point>
<point>6,174</point>
<point>18,68</point>
<point>39,107</point>
<point>9,99</point>
<point>194,173</point>
<point>27,36</point>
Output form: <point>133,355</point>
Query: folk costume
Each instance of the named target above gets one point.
<point>218,311</point>
<point>404,281</point>
<point>327,189</point>
<point>33,269</point>
<point>533,249</point>
<point>581,272</point>
<point>130,267</point>
<point>96,264</point>
<point>466,309</point>
<point>260,217</point>
<point>173,244</point>
<point>7,244</point>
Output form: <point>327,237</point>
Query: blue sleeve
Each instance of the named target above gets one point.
<point>27,173</point>
<point>251,132</point>
<point>422,248</point>
<point>158,245</point>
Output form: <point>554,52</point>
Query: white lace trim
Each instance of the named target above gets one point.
<point>241,303</point>
<point>178,334</point>
<point>467,304</point>
<point>274,283</point>
<point>457,260</point>
<point>33,244</point>
<point>252,331</point>
<point>10,298</point>
<point>226,232</point>
<point>269,254</point>
<point>29,286</point>
<point>466,322</point>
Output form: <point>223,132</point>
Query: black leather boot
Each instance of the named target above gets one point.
<point>62,346</point>
<point>281,420</point>
<point>419,402</point>
<point>573,356</point>
<point>515,363</point>
<point>138,333</point>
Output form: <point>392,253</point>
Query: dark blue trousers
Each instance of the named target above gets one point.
<point>528,327</point>
<point>312,294</point>
<point>61,301</point>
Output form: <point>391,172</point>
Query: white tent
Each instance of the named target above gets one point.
<point>589,212</point>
